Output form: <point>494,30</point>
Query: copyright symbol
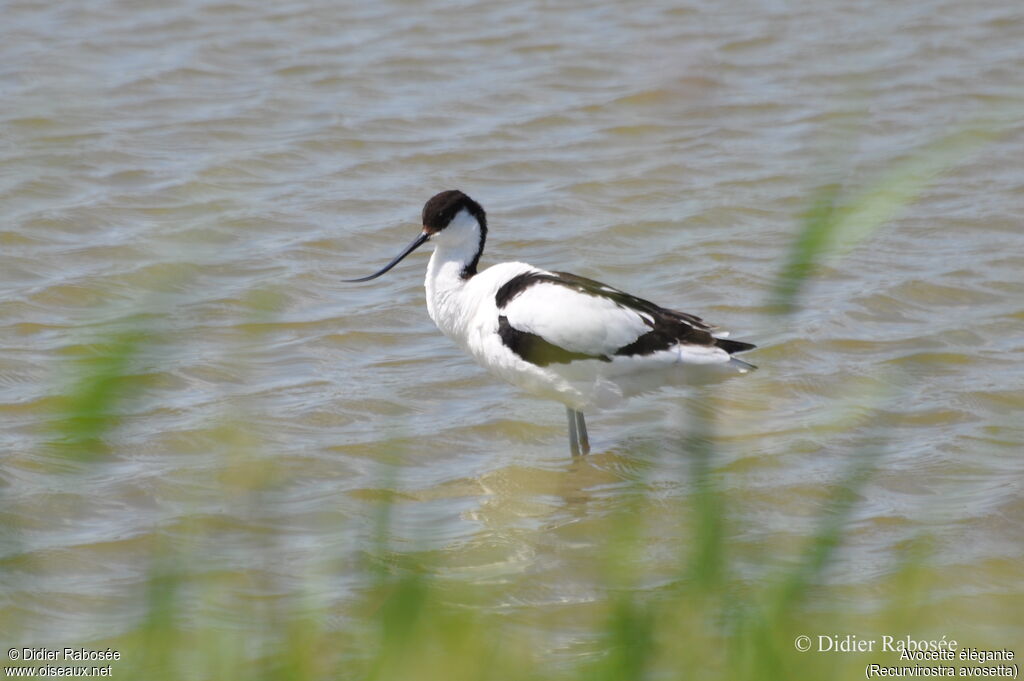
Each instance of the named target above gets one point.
<point>802,643</point>
<point>13,653</point>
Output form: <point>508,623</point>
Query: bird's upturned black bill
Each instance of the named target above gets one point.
<point>417,242</point>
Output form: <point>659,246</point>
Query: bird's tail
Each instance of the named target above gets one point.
<point>732,346</point>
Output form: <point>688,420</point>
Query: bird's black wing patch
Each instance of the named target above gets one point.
<point>664,333</point>
<point>514,286</point>
<point>535,350</point>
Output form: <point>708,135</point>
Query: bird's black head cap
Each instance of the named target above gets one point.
<point>442,208</point>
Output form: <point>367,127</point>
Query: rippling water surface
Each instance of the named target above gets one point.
<point>209,172</point>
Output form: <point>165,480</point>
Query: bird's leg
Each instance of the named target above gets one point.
<point>581,433</point>
<point>574,443</point>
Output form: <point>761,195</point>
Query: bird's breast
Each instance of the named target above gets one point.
<point>465,309</point>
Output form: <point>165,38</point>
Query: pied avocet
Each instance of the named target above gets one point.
<point>554,334</point>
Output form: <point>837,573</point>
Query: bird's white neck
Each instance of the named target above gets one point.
<point>457,249</point>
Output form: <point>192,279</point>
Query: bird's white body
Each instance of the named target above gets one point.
<point>466,310</point>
